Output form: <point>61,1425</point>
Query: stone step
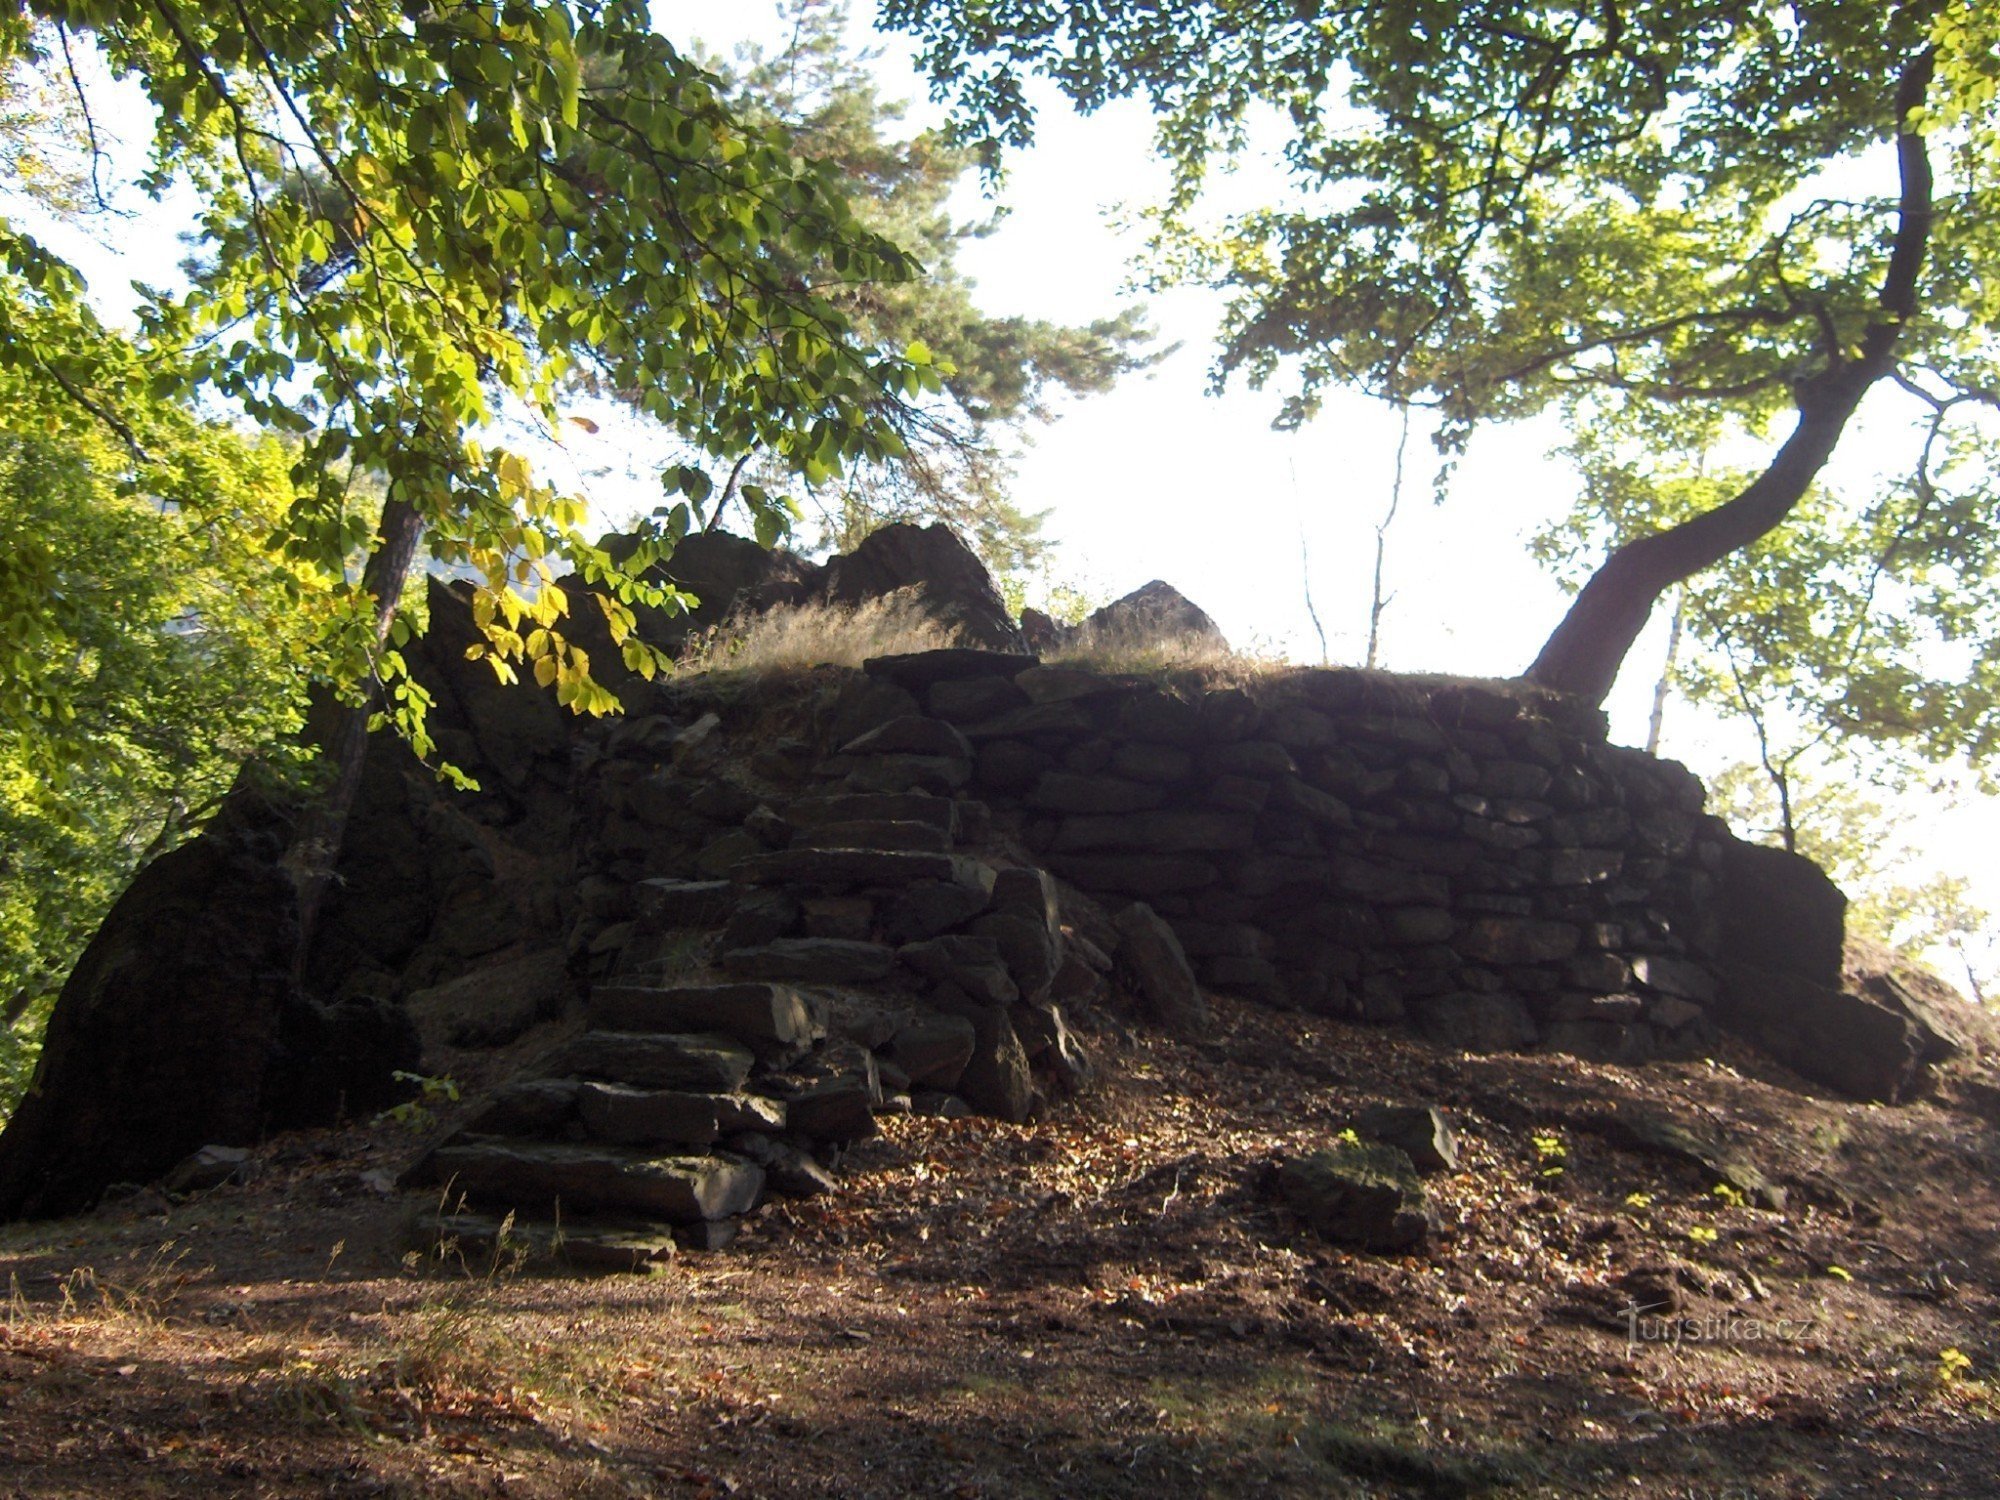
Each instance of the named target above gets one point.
<point>764,1016</point>
<point>622,1115</point>
<point>813,961</point>
<point>481,1244</point>
<point>667,905</point>
<point>554,1108</point>
<point>530,1106</point>
<point>874,834</point>
<point>704,1063</point>
<point>912,734</point>
<point>875,807</point>
<point>535,1176</point>
<point>852,869</point>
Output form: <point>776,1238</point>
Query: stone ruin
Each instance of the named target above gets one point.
<point>773,909</point>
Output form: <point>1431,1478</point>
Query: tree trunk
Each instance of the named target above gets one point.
<point>1377,604</point>
<point>16,1008</point>
<point>1665,686</point>
<point>1588,647</point>
<point>340,730</point>
<point>1585,652</point>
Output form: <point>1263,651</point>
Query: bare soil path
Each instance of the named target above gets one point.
<point>1108,1303</point>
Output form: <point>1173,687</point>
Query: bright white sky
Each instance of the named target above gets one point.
<point>1160,480</point>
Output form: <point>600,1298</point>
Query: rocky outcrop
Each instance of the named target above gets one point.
<point>180,1027</point>
<point>729,577</point>
<point>1779,963</point>
<point>932,566</point>
<point>785,907</point>
<point>1155,611</point>
<point>1950,1028</point>
<point>1153,615</point>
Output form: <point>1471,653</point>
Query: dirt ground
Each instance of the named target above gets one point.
<point>1111,1302</point>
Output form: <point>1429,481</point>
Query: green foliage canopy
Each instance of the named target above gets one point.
<point>169,648</point>
<point>488,224</point>
<point>1754,211</point>
<point>1865,625</point>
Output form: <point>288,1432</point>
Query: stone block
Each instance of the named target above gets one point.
<point>1516,940</point>
<point>539,1175</point>
<point>1150,956</point>
<point>812,960</point>
<point>933,1050</point>
<point>1167,832</point>
<point>912,734</point>
<point>703,1064</point>
<point>1471,1022</point>
<point>1419,1131</point>
<point>874,834</point>
<point>760,1015</point>
<point>1363,1195</point>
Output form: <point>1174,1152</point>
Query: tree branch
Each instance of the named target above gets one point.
<point>1584,653</point>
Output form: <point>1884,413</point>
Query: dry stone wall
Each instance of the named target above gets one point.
<point>903,905</point>
<point>1470,859</point>
<point>1473,859</point>
<point>781,906</point>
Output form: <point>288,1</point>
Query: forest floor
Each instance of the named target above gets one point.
<point>1108,1303</point>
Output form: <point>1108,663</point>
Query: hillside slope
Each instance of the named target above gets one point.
<point>1109,1302</point>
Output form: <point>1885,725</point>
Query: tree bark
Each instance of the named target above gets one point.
<point>1377,604</point>
<point>1665,686</point>
<point>340,730</point>
<point>1586,650</point>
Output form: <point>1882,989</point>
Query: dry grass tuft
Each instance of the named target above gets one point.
<point>795,638</point>
<point>138,1296</point>
<point>1193,658</point>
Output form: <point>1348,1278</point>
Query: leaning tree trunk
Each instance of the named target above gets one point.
<point>1585,652</point>
<point>340,730</point>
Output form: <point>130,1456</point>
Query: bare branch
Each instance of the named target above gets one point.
<point>89,120</point>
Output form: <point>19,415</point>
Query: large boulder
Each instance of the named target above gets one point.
<point>1846,1041</point>
<point>730,575</point>
<point>1950,1026</point>
<point>491,1006</point>
<point>1782,985</point>
<point>1419,1131</point>
<point>727,575</point>
<point>180,1027</point>
<point>1780,911</point>
<point>1153,962</point>
<point>1359,1193</point>
<point>1153,612</point>
<point>937,568</point>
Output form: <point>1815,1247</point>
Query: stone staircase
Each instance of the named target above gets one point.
<point>656,1127</point>
<point>785,937</point>
<point>749,1028</point>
